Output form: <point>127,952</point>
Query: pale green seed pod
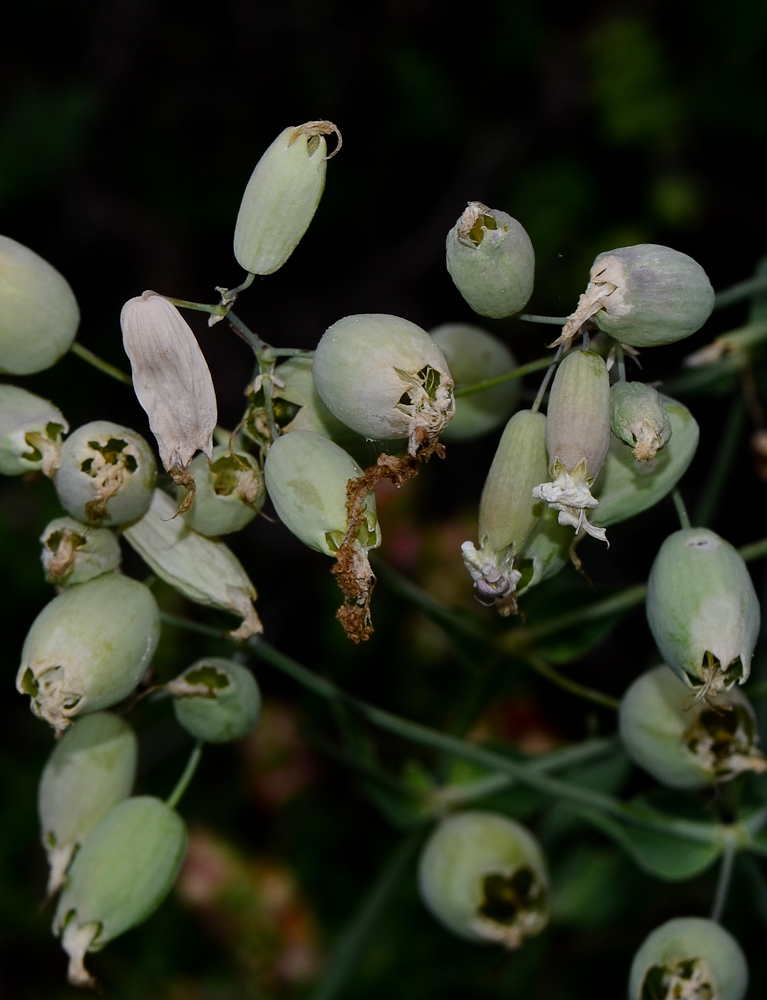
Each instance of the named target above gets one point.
<point>306,477</point>
<point>507,510</point>
<point>483,876</point>
<point>88,648</point>
<point>626,487</point>
<point>703,610</point>
<point>39,315</point>
<point>689,957</point>
<point>577,437</point>
<point>474,355</point>
<point>91,769</point>
<point>547,551</point>
<point>491,261</point>
<point>74,552</point>
<point>281,197</point>
<point>385,378</point>
<point>638,417</point>
<point>119,877</point>
<point>31,431</point>
<point>685,743</point>
<point>216,700</point>
<point>203,569</point>
<point>106,474</point>
<point>644,295</point>
<point>229,492</point>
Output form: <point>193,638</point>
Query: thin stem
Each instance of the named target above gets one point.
<point>547,378</point>
<point>741,290</point>
<point>549,320</point>
<point>541,667</point>
<point>246,333</point>
<point>354,940</point>
<point>620,361</point>
<point>725,877</point>
<point>290,352</point>
<point>681,509</point>
<point>228,295</point>
<point>183,782</point>
<point>520,372</point>
<point>723,463</point>
<point>103,366</point>
<point>216,310</point>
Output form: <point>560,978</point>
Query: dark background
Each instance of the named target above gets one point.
<point>128,131</point>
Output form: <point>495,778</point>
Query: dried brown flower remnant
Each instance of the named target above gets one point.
<point>172,382</point>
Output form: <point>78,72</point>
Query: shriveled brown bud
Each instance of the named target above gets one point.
<point>171,380</point>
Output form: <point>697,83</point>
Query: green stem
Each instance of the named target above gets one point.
<point>489,383</point>
<point>216,310</point>
<point>183,782</point>
<point>547,378</point>
<point>723,463</point>
<point>228,295</point>
<point>103,366</point>
<point>548,320</point>
<point>541,667</point>
<point>729,854</point>
<point>681,509</point>
<point>290,352</point>
<point>354,940</point>
<point>247,334</point>
<point>620,361</point>
<point>742,290</point>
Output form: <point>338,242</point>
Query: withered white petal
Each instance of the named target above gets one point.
<point>171,378</point>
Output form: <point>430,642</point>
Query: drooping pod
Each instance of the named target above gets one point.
<point>625,487</point>
<point>385,378</point>
<point>229,492</point>
<point>703,610</point>
<point>119,877</point>
<point>639,418</point>
<point>203,569</point>
<point>88,648</point>
<point>74,552</point>
<point>282,196</point>
<point>491,261</point>
<point>474,355</point>
<point>507,510</point>
<point>685,743</point>
<point>39,315</point>
<point>31,432</point>
<point>689,958</point>
<point>644,295</point>
<point>216,700</point>
<point>484,877</point>
<point>91,769</point>
<point>106,474</point>
<point>171,380</point>
<point>577,438</point>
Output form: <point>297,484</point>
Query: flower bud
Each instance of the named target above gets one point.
<point>689,957</point>
<point>171,379</point>
<point>202,569</point>
<point>625,487</point>
<point>484,877</point>
<point>685,743</point>
<point>282,196</point>
<point>644,295</point>
<point>473,355</point>
<point>507,510</point>
<point>38,311</point>
<point>491,261</point>
<point>577,437</point>
<point>74,552</point>
<point>119,877</point>
<point>703,611</point>
<point>88,648</point>
<point>639,418</point>
<point>385,378</point>
<point>229,492</point>
<point>91,769</point>
<point>106,474</point>
<point>307,477</point>
<point>31,431</point>
<point>216,700</point>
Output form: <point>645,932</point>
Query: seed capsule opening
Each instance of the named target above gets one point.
<point>723,740</point>
<point>689,979</point>
<point>513,907</point>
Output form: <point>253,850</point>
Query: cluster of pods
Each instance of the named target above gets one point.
<point>606,450</point>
